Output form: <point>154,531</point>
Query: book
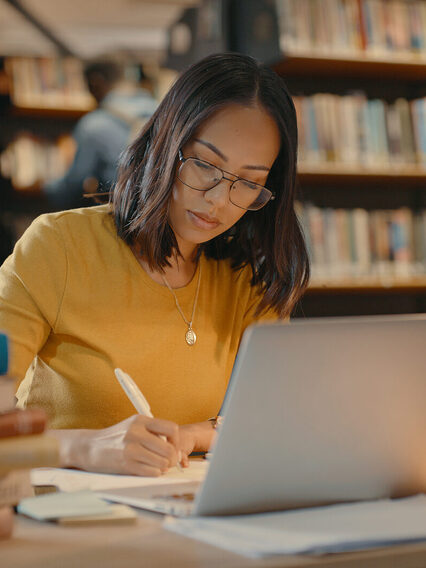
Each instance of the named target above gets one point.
<point>116,515</point>
<point>18,422</point>
<point>6,522</point>
<point>407,136</point>
<point>353,129</point>
<point>7,385</point>
<point>20,452</point>
<point>418,112</point>
<point>356,243</point>
<point>79,508</point>
<point>7,394</point>
<point>401,231</point>
<point>14,486</point>
<point>4,354</point>
<point>379,28</point>
<point>48,83</point>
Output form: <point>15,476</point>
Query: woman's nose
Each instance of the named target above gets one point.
<point>219,194</point>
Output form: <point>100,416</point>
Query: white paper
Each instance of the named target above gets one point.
<point>75,480</point>
<point>318,530</point>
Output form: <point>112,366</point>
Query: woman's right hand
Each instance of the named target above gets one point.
<point>131,447</point>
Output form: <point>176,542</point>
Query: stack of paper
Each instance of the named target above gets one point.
<point>320,530</point>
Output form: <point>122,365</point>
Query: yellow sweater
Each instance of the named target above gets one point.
<point>76,303</point>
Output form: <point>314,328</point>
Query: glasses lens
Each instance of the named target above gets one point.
<point>249,195</point>
<point>198,174</point>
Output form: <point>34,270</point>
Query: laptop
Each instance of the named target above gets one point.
<point>318,411</point>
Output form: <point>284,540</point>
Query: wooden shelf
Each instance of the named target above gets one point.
<point>368,285</point>
<point>392,65</point>
<point>29,191</point>
<point>49,112</point>
<point>412,176</point>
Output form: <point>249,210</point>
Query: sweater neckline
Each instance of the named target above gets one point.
<point>183,293</point>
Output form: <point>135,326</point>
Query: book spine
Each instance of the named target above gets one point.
<point>287,23</point>
<point>6,522</point>
<point>418,114</point>
<point>23,452</point>
<point>407,136</point>
<point>21,423</point>
<point>14,486</point>
<point>7,384</point>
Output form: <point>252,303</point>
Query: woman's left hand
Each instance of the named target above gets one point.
<point>194,438</point>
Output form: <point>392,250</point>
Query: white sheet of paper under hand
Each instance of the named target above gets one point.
<point>320,530</point>
<point>75,480</point>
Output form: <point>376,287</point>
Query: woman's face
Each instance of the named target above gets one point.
<point>239,139</point>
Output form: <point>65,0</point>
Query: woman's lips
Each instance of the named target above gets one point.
<point>203,222</point>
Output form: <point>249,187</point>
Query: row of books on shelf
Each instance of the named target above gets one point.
<point>29,161</point>
<point>48,83</point>
<point>376,27</point>
<point>353,129</point>
<point>356,243</point>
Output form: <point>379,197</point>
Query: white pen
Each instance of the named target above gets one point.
<point>136,397</point>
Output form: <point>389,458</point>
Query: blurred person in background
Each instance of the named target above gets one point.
<point>102,135</point>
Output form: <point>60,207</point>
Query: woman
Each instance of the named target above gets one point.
<point>200,241</point>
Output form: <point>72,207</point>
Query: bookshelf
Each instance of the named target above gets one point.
<point>409,175</point>
<point>390,285</point>
<point>40,101</point>
<point>338,54</point>
<point>368,58</point>
<point>411,68</point>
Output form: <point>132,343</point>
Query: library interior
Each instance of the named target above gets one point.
<point>82,83</point>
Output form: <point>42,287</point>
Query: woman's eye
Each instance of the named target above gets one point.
<point>202,165</point>
<point>251,185</point>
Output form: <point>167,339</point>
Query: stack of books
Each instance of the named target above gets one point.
<point>22,446</point>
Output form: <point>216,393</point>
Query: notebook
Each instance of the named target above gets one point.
<point>318,411</point>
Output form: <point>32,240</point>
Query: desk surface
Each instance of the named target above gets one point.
<point>45,545</point>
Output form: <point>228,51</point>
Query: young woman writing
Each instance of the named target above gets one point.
<point>199,241</point>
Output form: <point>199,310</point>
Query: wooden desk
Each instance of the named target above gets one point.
<point>147,544</point>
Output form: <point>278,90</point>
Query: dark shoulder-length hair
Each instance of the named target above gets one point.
<point>269,240</point>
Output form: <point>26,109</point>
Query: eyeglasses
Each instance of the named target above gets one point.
<point>202,176</point>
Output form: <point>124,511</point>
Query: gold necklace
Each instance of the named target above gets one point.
<point>190,336</point>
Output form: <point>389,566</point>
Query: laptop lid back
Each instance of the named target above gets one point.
<point>321,411</point>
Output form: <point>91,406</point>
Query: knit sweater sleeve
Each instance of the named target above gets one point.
<point>32,285</point>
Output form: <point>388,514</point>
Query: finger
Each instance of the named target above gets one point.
<point>159,445</point>
<point>165,428</point>
<point>144,470</point>
<point>150,432</point>
<point>142,455</point>
<point>140,434</point>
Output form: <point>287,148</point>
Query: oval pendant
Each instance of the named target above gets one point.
<point>190,336</point>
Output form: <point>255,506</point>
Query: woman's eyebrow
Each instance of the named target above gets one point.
<point>213,148</point>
